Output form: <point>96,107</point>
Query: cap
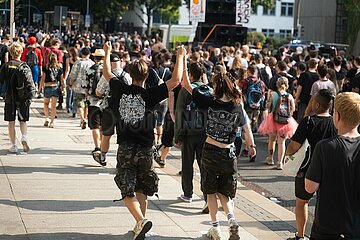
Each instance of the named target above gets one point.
<point>32,40</point>
<point>114,57</point>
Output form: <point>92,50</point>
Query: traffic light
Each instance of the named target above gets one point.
<point>18,11</point>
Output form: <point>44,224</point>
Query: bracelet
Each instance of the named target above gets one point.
<point>253,146</point>
<point>185,70</point>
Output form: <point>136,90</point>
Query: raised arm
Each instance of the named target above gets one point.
<point>107,66</point>
<point>185,78</point>
<point>178,70</point>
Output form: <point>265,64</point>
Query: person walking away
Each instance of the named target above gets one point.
<point>33,57</point>
<point>279,124</point>
<point>135,176</point>
<point>77,80</point>
<point>20,89</point>
<point>69,63</point>
<point>313,128</point>
<point>333,175</point>
<point>190,131</point>
<point>218,167</point>
<point>53,82</point>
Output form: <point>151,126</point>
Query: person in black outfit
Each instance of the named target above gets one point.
<point>334,174</point>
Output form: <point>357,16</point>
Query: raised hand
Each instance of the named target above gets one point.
<point>107,47</point>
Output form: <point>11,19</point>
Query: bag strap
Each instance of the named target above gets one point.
<point>162,78</point>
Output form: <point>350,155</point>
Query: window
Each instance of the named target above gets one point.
<point>284,33</point>
<point>287,9</point>
<point>251,29</point>
<point>268,32</point>
<point>269,12</point>
<point>254,10</point>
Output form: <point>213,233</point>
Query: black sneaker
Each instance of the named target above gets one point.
<point>83,125</point>
<point>205,208</point>
<point>59,107</point>
<point>160,162</point>
<point>96,154</point>
<point>296,238</point>
<point>103,159</point>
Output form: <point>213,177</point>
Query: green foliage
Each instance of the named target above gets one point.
<point>269,4</point>
<point>276,42</point>
<point>170,14</point>
<point>255,37</point>
<point>353,19</point>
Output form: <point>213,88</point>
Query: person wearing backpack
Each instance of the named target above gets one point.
<point>190,131</point>
<point>53,82</point>
<point>33,57</point>
<point>93,76</point>
<point>20,89</point>
<point>254,90</point>
<point>279,124</point>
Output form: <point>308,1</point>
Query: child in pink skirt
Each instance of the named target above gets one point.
<point>272,125</point>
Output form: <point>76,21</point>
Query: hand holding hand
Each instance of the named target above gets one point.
<point>181,51</point>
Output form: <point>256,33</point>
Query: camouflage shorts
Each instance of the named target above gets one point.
<point>135,170</point>
<point>218,170</point>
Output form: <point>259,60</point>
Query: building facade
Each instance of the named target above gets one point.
<point>273,22</point>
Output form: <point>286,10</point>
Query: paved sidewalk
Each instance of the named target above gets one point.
<point>58,191</point>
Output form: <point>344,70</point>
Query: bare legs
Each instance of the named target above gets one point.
<point>301,213</point>
<point>137,206</point>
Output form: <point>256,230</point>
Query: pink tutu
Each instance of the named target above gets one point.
<point>270,127</point>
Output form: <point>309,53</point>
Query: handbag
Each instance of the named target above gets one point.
<point>294,162</point>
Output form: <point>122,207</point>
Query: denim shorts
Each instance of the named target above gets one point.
<point>50,92</point>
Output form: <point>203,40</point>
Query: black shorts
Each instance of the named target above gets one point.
<point>218,170</point>
<point>300,191</point>
<point>135,170</point>
<point>22,110</point>
<point>160,111</point>
<point>108,121</point>
<point>94,117</point>
<point>168,132</point>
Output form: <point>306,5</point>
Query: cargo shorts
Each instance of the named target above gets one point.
<point>135,170</point>
<point>218,170</point>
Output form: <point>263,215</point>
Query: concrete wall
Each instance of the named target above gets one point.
<point>319,19</point>
<point>259,21</point>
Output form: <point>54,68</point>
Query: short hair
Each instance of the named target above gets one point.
<point>312,63</point>
<point>337,61</point>
<point>302,66</point>
<point>85,51</point>
<point>55,41</point>
<point>322,70</point>
<point>348,106</point>
<point>206,54</point>
<point>272,62</point>
<point>357,60</point>
<point>324,98</point>
<point>282,81</point>
<point>282,65</point>
<point>139,70</point>
<point>195,57</point>
<point>252,69</point>
<point>196,70</point>
<point>15,50</point>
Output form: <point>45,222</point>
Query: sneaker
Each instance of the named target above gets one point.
<point>214,233</point>
<point>74,115</point>
<point>25,144</point>
<point>96,154</point>
<point>185,199</point>
<point>244,153</point>
<point>279,166</point>
<point>205,208</point>
<point>141,228</point>
<point>296,237</point>
<point>103,159</point>
<point>46,123</point>
<point>83,125</point>
<point>233,230</point>
<point>51,125</point>
<point>13,149</point>
<point>160,162</point>
<point>59,107</point>
<point>269,160</point>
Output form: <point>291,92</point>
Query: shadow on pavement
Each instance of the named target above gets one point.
<point>61,169</point>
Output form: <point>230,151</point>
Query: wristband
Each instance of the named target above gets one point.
<point>253,146</point>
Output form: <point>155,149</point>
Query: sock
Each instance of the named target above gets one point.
<point>97,149</point>
<point>215,224</point>
<point>230,216</point>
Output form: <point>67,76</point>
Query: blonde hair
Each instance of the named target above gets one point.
<point>237,63</point>
<point>282,82</point>
<point>52,61</point>
<point>15,50</point>
<point>348,106</point>
<point>139,70</point>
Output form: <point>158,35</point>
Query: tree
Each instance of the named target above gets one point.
<point>353,20</point>
<point>268,4</point>
<point>153,5</point>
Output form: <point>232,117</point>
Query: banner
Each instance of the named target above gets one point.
<point>243,11</point>
<point>197,10</point>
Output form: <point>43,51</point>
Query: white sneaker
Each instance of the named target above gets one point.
<point>214,233</point>
<point>13,149</point>
<point>25,144</point>
<point>141,228</point>
<point>233,230</point>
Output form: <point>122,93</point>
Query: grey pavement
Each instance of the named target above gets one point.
<point>58,191</point>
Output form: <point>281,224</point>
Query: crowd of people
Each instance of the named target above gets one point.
<point>206,102</point>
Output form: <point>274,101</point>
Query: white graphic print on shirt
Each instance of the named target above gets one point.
<point>132,108</point>
<point>220,125</point>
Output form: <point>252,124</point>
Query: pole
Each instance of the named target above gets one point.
<point>12,17</point>
<point>60,19</point>
<point>87,12</point>
<point>29,13</point>
<point>298,26</point>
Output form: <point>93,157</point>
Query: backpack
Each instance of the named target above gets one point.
<point>282,112</point>
<point>92,78</point>
<point>161,81</point>
<point>254,95</point>
<point>194,117</point>
<point>264,76</point>
<point>31,58</point>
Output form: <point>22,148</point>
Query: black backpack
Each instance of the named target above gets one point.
<point>21,82</point>
<point>31,58</point>
<point>282,109</point>
<point>92,78</point>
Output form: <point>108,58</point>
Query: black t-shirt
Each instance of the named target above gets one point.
<point>136,111</point>
<point>356,81</point>
<point>155,74</point>
<point>350,76</point>
<point>341,74</point>
<point>224,118</point>
<point>274,79</point>
<point>53,74</point>
<point>314,129</point>
<point>335,165</point>
<point>306,80</point>
<point>3,51</point>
